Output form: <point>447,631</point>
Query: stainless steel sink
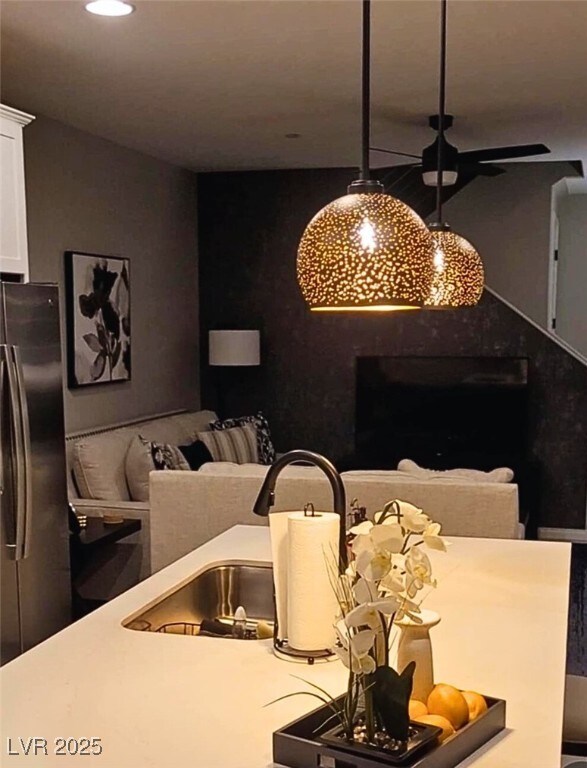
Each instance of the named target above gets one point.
<point>215,593</point>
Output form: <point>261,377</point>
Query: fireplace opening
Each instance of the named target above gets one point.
<point>442,412</point>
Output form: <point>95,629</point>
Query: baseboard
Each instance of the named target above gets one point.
<point>574,535</point>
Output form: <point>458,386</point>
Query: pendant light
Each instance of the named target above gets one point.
<point>366,251</point>
<point>458,269</point>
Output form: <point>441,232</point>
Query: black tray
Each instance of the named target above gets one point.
<point>423,737</point>
<point>297,745</point>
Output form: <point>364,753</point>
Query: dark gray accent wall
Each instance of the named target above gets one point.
<point>85,193</point>
<point>250,225</point>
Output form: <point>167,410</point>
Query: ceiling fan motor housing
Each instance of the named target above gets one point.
<point>450,156</point>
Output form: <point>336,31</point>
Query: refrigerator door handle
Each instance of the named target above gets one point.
<point>26,444</point>
<point>1,407</point>
<point>18,451</point>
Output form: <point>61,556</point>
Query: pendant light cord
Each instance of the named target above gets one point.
<point>441,110</point>
<point>366,87</point>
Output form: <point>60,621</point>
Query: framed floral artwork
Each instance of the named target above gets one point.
<point>98,319</point>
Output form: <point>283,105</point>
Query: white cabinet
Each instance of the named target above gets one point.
<point>13,234</point>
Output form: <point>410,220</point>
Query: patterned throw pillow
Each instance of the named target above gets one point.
<point>144,456</point>
<point>264,443</point>
<point>167,456</point>
<point>238,445</point>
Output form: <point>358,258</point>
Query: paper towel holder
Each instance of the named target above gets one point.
<point>281,648</point>
<point>263,503</point>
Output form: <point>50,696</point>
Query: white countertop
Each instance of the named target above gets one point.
<point>168,700</point>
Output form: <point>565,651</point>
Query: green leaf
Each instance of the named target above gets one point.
<point>297,693</point>
<point>93,342</point>
<point>391,696</point>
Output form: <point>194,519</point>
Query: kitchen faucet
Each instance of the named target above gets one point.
<point>266,497</point>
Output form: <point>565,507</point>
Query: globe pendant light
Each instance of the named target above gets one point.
<point>458,270</point>
<point>366,251</point>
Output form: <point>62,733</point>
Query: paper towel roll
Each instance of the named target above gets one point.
<point>312,549</point>
<point>278,523</point>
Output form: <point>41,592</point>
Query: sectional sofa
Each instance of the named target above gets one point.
<point>189,508</point>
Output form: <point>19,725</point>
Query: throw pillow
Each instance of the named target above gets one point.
<point>238,444</point>
<point>499,475</point>
<point>196,454</point>
<point>143,457</point>
<point>265,447</point>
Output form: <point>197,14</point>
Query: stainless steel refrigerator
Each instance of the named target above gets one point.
<point>35,586</point>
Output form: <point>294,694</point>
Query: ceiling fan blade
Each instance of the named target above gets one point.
<point>480,169</point>
<point>504,153</point>
<point>392,152</point>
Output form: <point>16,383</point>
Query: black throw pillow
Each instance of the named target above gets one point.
<point>196,454</point>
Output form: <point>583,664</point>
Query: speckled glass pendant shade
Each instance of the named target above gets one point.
<point>458,271</point>
<point>365,252</point>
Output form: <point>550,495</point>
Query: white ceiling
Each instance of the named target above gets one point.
<point>217,85</point>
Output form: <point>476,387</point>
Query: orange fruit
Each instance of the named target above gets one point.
<point>449,702</point>
<point>417,708</point>
<point>476,703</point>
<point>440,722</point>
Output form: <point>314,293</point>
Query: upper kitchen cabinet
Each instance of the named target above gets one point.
<point>13,232</point>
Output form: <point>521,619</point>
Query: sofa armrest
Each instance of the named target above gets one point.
<point>189,509</point>
<point>134,510</point>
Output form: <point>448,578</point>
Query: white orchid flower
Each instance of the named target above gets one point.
<point>432,538</point>
<point>354,649</point>
<point>361,528</point>
<point>351,570</point>
<point>419,571</point>
<point>388,537</point>
<point>373,565</point>
<point>412,518</point>
<point>365,591</point>
<point>369,614</point>
<point>409,609</point>
<point>390,516</point>
<point>370,603</point>
<point>394,582</point>
<point>361,542</point>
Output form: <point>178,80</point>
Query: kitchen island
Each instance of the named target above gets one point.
<point>161,700</point>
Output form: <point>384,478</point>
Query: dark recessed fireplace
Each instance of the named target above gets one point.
<point>442,412</point>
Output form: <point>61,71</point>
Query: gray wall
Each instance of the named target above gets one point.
<point>507,218</point>
<point>571,293</point>
<point>88,194</point>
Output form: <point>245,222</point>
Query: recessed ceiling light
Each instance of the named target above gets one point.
<point>110,7</point>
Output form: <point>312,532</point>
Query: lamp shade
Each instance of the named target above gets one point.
<point>365,252</point>
<point>458,271</point>
<point>234,348</point>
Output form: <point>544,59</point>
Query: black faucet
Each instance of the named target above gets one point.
<point>266,497</point>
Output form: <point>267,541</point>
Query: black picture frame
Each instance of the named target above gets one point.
<point>98,319</point>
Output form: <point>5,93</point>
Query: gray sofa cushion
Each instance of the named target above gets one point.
<point>98,466</point>
<point>98,460</point>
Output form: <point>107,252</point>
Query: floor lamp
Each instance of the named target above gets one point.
<point>231,349</point>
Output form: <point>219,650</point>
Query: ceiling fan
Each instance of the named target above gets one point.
<point>476,161</point>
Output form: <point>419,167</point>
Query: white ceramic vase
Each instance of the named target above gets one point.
<point>414,645</point>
